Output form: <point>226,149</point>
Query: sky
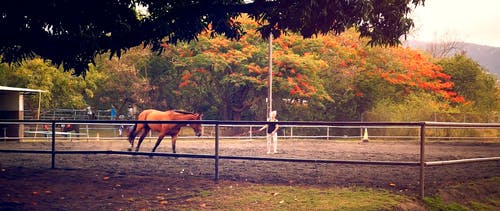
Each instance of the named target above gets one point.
<point>472,21</point>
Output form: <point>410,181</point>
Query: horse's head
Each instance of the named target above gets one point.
<point>197,127</point>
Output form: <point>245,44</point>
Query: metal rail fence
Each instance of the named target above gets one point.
<point>421,126</point>
<point>111,131</point>
<point>62,113</point>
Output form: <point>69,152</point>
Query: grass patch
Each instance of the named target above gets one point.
<point>436,203</point>
<point>476,195</point>
<point>265,197</point>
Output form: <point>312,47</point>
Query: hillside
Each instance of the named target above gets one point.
<point>486,56</point>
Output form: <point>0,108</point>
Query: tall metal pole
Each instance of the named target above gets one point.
<point>422,160</point>
<point>53,147</point>
<point>270,75</point>
<point>216,160</point>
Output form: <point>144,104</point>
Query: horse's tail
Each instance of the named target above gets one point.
<point>137,128</point>
<point>132,133</point>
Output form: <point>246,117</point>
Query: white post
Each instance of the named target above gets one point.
<point>270,75</point>
<point>327,132</point>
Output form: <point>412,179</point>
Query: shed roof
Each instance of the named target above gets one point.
<point>17,89</point>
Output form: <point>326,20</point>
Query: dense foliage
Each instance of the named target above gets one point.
<point>64,90</point>
<point>327,77</point>
<point>73,33</point>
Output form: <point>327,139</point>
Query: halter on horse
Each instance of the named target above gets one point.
<point>164,129</point>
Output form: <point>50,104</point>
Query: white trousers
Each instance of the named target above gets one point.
<point>272,137</point>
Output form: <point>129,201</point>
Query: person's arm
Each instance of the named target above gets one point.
<point>263,127</point>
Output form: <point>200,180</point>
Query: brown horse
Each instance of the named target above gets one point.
<point>164,129</point>
<point>70,127</point>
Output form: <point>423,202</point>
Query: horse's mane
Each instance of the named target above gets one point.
<point>184,112</point>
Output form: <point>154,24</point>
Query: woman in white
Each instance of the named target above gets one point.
<point>272,132</point>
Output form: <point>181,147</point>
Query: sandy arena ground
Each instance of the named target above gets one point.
<point>106,181</point>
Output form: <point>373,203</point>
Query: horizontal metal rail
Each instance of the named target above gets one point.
<point>26,151</point>
<point>460,161</point>
<point>462,125</point>
<point>216,122</point>
<point>294,160</point>
<point>206,156</point>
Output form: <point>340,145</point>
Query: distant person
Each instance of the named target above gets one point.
<point>130,112</point>
<point>90,113</point>
<point>272,132</point>
<point>120,129</point>
<point>112,112</point>
<point>62,125</point>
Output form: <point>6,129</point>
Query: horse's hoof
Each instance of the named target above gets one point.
<point>129,149</point>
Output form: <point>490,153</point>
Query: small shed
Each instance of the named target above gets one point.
<point>12,108</point>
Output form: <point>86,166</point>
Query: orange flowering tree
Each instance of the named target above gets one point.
<point>410,71</point>
<point>231,77</point>
<point>322,78</point>
<point>358,76</point>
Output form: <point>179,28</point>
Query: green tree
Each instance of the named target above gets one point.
<point>478,87</point>
<point>63,90</point>
<point>123,81</point>
<point>73,33</point>
<point>407,109</point>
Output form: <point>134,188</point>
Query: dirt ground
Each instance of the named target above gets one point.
<point>126,182</point>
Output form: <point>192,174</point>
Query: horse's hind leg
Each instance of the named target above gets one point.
<point>158,141</point>
<point>143,135</point>
<point>77,130</point>
<point>131,134</point>
<point>174,139</point>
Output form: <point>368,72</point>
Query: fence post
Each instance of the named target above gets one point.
<point>53,149</point>
<point>216,168</point>
<point>422,160</point>
<point>88,134</point>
